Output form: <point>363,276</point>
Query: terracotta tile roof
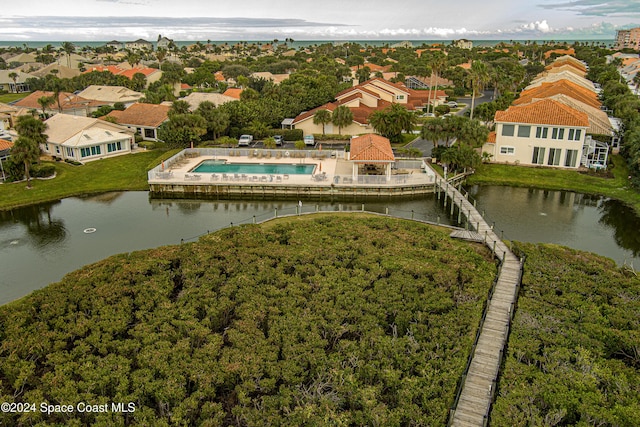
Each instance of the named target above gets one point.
<point>305,115</point>
<point>143,70</point>
<point>68,101</point>
<point>5,145</point>
<point>139,114</point>
<point>599,123</point>
<point>111,68</point>
<point>358,88</point>
<point>569,51</point>
<point>373,67</point>
<point>233,92</point>
<point>565,87</point>
<point>371,148</point>
<point>491,139</point>
<point>543,112</point>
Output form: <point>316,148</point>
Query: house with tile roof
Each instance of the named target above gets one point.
<point>233,92</point>
<point>565,87</point>
<point>196,98</point>
<point>111,94</point>
<point>542,133</point>
<point>85,139</point>
<point>67,103</point>
<point>151,75</point>
<point>563,75</point>
<point>145,119</point>
<point>363,99</point>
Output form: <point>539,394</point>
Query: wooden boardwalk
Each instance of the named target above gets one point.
<point>478,387</point>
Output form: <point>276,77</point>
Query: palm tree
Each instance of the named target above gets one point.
<point>478,78</point>
<point>68,48</point>
<point>14,76</point>
<point>341,117</point>
<point>27,147</point>
<point>44,102</point>
<point>438,63</point>
<point>322,117</point>
<point>26,151</point>
<point>161,54</point>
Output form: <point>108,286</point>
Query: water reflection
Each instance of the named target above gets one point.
<point>624,222</point>
<point>51,236</point>
<point>41,227</point>
<point>585,222</point>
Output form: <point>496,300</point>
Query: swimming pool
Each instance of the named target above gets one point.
<point>216,166</point>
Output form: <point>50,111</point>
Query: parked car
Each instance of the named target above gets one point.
<point>245,140</point>
<point>279,139</point>
<point>309,140</point>
<point>427,115</point>
<point>452,104</point>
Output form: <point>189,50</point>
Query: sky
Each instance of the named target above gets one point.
<point>125,20</point>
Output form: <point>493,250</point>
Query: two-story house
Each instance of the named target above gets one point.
<point>543,133</point>
<point>363,99</point>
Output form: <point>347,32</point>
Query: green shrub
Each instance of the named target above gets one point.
<point>43,170</point>
<point>149,145</point>
<point>227,141</point>
<point>292,134</point>
<point>331,137</point>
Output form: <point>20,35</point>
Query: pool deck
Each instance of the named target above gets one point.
<point>332,176</point>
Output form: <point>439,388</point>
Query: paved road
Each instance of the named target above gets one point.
<point>427,146</point>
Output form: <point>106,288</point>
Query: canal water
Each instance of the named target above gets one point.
<point>39,244</point>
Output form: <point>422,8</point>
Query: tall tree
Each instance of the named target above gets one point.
<point>341,117</point>
<point>44,102</point>
<point>391,121</point>
<point>438,63</point>
<point>14,76</point>
<point>68,48</point>
<point>26,149</point>
<point>478,78</point>
<point>217,120</point>
<point>322,117</point>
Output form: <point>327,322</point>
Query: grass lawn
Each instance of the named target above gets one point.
<point>115,174</point>
<point>10,97</point>
<point>552,179</point>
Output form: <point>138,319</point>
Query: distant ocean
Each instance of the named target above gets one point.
<point>296,44</point>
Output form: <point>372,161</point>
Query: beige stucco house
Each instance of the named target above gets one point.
<point>145,119</point>
<point>542,133</point>
<point>363,99</point>
<point>84,139</point>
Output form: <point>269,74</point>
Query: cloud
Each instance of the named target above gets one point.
<point>49,28</point>
<point>610,8</point>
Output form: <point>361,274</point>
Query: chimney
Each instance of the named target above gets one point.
<point>356,82</point>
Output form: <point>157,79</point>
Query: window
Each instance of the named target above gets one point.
<point>575,134</point>
<point>507,150</point>
<point>557,133</point>
<point>46,147</point>
<point>538,155</point>
<point>57,149</point>
<point>554,157</point>
<point>524,131</point>
<point>570,158</point>
<point>399,97</point>
<point>541,132</point>
<point>114,146</point>
<point>508,130</point>
<point>69,152</point>
<point>90,151</point>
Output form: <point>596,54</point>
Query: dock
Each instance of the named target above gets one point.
<point>478,386</point>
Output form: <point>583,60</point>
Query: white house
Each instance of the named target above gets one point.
<point>544,133</point>
<point>84,139</point>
